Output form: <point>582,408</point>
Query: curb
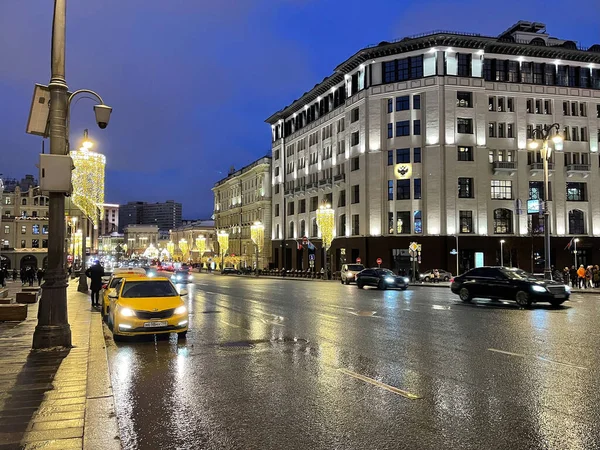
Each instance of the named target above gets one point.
<point>101,430</point>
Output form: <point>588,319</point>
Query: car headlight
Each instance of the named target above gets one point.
<point>567,289</point>
<point>126,312</point>
<point>150,275</point>
<point>406,280</point>
<point>190,277</point>
<point>389,280</point>
<point>537,288</point>
<point>421,275</point>
<point>180,310</point>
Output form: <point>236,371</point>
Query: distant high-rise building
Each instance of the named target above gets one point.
<point>165,215</point>
<point>110,221</point>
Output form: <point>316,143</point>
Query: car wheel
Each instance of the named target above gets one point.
<point>556,302</point>
<point>359,285</point>
<point>427,279</point>
<point>118,337</point>
<point>347,281</point>
<point>465,295</point>
<point>182,335</point>
<point>446,278</point>
<point>523,299</point>
<point>341,281</point>
<point>381,285</point>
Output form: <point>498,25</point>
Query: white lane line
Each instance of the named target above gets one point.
<point>230,324</point>
<point>379,384</point>
<point>540,358</point>
<point>328,316</point>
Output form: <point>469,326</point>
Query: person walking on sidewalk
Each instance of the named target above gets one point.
<point>95,274</point>
<point>15,275</point>
<point>40,276</point>
<point>573,274</point>
<point>581,276</point>
<point>2,278</point>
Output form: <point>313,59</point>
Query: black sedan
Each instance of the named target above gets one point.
<point>508,283</point>
<point>381,279</point>
<point>230,270</point>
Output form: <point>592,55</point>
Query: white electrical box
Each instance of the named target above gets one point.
<point>55,173</point>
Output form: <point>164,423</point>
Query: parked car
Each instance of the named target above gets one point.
<point>349,272</point>
<point>381,279</point>
<point>116,278</point>
<point>428,275</point>
<point>508,283</point>
<point>230,270</point>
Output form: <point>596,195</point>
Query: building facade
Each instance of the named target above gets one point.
<point>190,232</point>
<point>241,199</point>
<point>165,215</point>
<point>110,222</point>
<point>24,227</point>
<point>138,238</point>
<point>426,140</point>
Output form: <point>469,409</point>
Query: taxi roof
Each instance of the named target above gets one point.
<point>147,279</point>
<point>129,271</point>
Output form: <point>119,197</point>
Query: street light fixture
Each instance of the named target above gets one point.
<point>502,252</point>
<point>326,224</point>
<point>257,234</point>
<point>544,135</point>
<point>575,241</point>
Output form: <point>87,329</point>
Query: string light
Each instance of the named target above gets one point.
<point>223,239</point>
<point>200,246</point>
<point>257,234</point>
<point>183,246</point>
<point>151,252</point>
<point>326,224</point>
<point>170,249</point>
<point>88,183</point>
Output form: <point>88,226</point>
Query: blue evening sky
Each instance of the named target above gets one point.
<point>191,81</point>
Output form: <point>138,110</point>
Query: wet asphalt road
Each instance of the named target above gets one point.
<point>272,364</point>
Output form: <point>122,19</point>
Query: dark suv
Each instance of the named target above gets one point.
<point>381,279</point>
<point>508,283</point>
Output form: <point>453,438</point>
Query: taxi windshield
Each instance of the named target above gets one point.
<point>139,289</point>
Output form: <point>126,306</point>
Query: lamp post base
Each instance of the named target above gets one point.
<point>53,328</point>
<point>547,274</point>
<point>83,285</point>
<point>52,336</point>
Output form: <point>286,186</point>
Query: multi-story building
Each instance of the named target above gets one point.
<point>24,230</point>
<point>191,230</point>
<point>110,222</point>
<point>241,199</point>
<point>426,139</point>
<point>165,215</point>
<point>139,237</point>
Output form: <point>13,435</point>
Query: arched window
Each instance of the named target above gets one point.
<point>576,222</point>
<point>315,228</point>
<point>24,201</point>
<point>291,230</point>
<point>302,228</point>
<point>502,221</point>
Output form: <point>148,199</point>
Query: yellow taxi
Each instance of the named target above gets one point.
<point>116,276</point>
<point>139,306</point>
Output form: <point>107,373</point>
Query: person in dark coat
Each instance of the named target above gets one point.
<point>573,274</point>
<point>95,274</point>
<point>40,276</point>
<point>15,274</point>
<point>30,275</point>
<point>2,277</point>
<point>23,275</point>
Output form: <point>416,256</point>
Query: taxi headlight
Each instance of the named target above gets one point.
<point>180,310</point>
<point>406,280</point>
<point>389,280</point>
<point>537,288</point>
<point>126,312</point>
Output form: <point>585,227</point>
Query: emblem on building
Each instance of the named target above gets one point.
<point>403,170</point>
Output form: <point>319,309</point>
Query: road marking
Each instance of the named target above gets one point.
<point>230,324</point>
<point>363,313</point>
<point>540,358</point>
<point>379,384</point>
<point>328,316</point>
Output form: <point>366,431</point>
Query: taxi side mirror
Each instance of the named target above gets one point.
<point>183,293</point>
<point>112,293</point>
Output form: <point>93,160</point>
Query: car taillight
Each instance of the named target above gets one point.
<point>452,280</point>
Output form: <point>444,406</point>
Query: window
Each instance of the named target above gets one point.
<point>35,229</point>
<point>501,130</point>
<point>491,103</point>
<point>464,64</point>
<point>342,225</point>
<point>23,229</point>
<point>402,189</point>
<point>574,109</point>
<point>416,66</point>
<point>403,69</point>
<point>403,222</point>
<point>492,129</point>
<point>390,130</point>
<point>576,192</point>
<point>44,243</point>
<point>292,235</point>
<point>354,164</point>
<point>290,209</point>
<point>417,127</point>
<point>510,102</point>
<point>417,154</point>
<point>597,115</point>
<point>466,221</point>
<point>354,115</point>
<point>465,126</point>
<point>550,74</point>
<point>314,203</point>
<point>35,243</point>
<point>584,134</point>
<point>576,222</point>
<point>302,207</point>
<point>389,71</point>
<point>23,243</point>
<point>402,103</point>
<point>575,134</point>
<point>315,228</point>
<point>416,101</point>
<point>390,189</point>
<point>342,199</point>
<point>355,138</point>
<point>465,153</point>
<point>417,188</point>
<point>277,210</point>
<point>6,229</point>
<point>418,222</point>
<point>355,194</point>
<point>402,155</point>
<point>536,190</point>
<point>403,128</point>
<point>547,107</point>
<point>526,72</point>
<point>538,106</point>
<point>355,225</point>
<point>513,71</point>
<point>510,130</point>
<point>24,202</point>
<point>276,171</point>
<point>390,108</point>
<point>529,107</point>
<point>390,157</point>
<point>465,99</point>
<point>465,188</point>
<point>7,199</point>
<point>501,189</point>
<point>583,109</point>
<point>390,222</point>
<point>502,221</point>
<point>302,228</point>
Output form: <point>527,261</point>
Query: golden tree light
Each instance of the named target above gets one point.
<point>170,248</point>
<point>200,246</point>
<point>88,183</point>
<point>151,252</point>
<point>184,247</point>
<point>326,224</point>
<point>223,239</point>
<point>257,234</point>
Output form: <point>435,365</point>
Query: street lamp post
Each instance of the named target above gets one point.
<point>502,253</point>
<point>575,241</point>
<point>326,224</point>
<point>257,234</point>
<point>545,134</point>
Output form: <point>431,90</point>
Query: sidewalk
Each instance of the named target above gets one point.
<point>56,399</point>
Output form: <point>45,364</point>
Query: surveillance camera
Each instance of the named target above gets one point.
<point>102,115</point>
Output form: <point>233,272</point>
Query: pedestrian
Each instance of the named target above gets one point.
<point>31,276</point>
<point>2,278</point>
<point>566,275</point>
<point>15,274</point>
<point>95,274</point>
<point>588,277</point>
<point>581,276</point>
<point>436,276</point>
<point>23,275</point>
<point>40,276</point>
<point>596,276</point>
<point>573,276</point>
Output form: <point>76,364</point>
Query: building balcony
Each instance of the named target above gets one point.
<point>538,168</point>
<point>323,184</point>
<point>340,180</point>
<point>289,192</point>
<point>299,191</point>
<point>578,169</point>
<point>509,167</point>
<point>312,187</point>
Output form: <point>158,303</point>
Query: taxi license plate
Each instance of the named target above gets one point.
<point>155,324</point>
<point>560,296</point>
